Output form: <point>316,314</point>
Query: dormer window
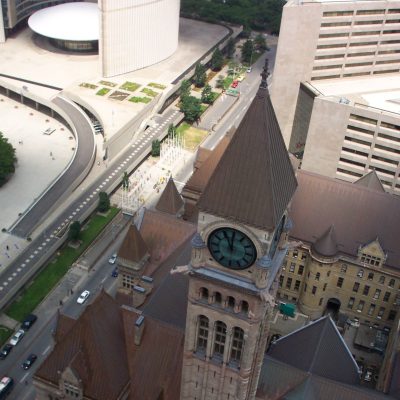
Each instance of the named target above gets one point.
<point>370,260</point>
<point>72,391</point>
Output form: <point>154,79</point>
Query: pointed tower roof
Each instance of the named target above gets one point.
<point>254,180</point>
<point>170,200</point>
<point>317,348</point>
<point>326,244</point>
<point>371,180</point>
<point>133,248</point>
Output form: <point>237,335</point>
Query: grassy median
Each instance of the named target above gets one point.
<point>54,271</point>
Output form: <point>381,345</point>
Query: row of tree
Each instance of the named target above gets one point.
<point>7,159</point>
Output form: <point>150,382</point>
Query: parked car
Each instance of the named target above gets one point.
<point>83,297</point>
<point>29,361</point>
<point>5,351</point>
<point>248,70</point>
<point>112,259</point>
<point>28,322</point>
<point>17,337</point>
<point>235,83</point>
<point>114,272</point>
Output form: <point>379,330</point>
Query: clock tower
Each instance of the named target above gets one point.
<point>237,253</point>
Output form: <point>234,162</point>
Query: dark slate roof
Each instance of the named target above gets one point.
<point>319,349</point>
<point>91,343</point>
<point>170,200</point>
<point>320,200</point>
<point>394,389</point>
<point>371,180</point>
<point>133,248</point>
<point>254,180</point>
<point>326,244</point>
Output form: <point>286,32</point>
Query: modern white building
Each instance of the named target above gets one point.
<point>137,33</point>
<point>336,87</point>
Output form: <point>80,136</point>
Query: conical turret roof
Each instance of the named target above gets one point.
<point>133,248</point>
<point>170,200</point>
<point>254,181</point>
<point>326,244</point>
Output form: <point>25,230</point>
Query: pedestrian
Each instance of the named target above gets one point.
<point>8,247</point>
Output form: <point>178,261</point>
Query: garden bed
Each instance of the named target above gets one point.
<point>130,86</point>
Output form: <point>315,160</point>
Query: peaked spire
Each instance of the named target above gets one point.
<point>254,180</point>
<point>326,244</point>
<point>371,180</point>
<point>170,200</point>
<point>133,248</point>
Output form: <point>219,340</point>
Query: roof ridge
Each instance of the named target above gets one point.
<point>318,346</point>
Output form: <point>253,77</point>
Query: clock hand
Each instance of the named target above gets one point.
<point>233,238</point>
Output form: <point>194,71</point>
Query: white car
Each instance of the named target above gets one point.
<point>83,297</point>
<point>248,70</point>
<point>17,337</point>
<point>112,259</point>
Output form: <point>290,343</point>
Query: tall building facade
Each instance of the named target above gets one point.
<point>237,253</point>
<point>336,87</point>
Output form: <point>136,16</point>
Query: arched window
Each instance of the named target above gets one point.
<point>204,293</point>
<point>202,334</point>
<point>220,338</point>
<point>245,306</point>
<point>237,345</point>
<point>217,298</point>
<point>231,302</point>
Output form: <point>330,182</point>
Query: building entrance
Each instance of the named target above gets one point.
<point>333,307</point>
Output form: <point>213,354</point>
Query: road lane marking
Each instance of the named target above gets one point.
<point>24,377</point>
<point>46,350</point>
<point>104,279</point>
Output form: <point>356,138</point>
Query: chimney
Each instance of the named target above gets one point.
<point>139,327</point>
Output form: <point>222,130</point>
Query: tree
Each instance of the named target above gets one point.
<point>199,77</point>
<point>7,159</point>
<point>125,181</point>
<point>247,51</point>
<point>104,202</point>
<point>191,107</point>
<point>217,60</point>
<point>220,82</point>
<point>260,42</point>
<point>171,130</point>
<point>74,232</point>
<point>156,145</point>
<point>207,96</point>
<point>185,88</point>
<point>230,48</point>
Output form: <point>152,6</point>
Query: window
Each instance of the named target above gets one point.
<point>220,338</point>
<point>382,279</point>
<point>295,254</point>
<point>377,294</point>
<point>343,268</point>
<point>366,290</point>
<point>305,287</point>
<point>202,336</point>
<point>391,283</point>
<point>356,286</point>
<point>328,273</point>
<point>71,390</point>
<point>386,297</point>
<point>371,260</point>
<point>237,345</point>
<point>324,288</point>
<point>392,315</point>
<point>300,270</point>
<point>339,282</point>
<point>245,306</point>
<point>289,283</point>
<point>360,273</point>
<point>317,276</point>
<point>371,309</point>
<point>231,302</point>
<point>303,256</point>
<point>218,297</point>
<point>381,312</point>
<point>297,285</point>
<point>370,276</point>
<point>204,293</point>
<point>292,267</point>
<point>314,290</point>
<point>351,303</point>
<point>360,306</point>
<point>320,301</point>
<point>281,280</point>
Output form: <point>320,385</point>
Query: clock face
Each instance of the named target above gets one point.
<point>231,248</point>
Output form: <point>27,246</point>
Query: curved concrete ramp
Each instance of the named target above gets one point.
<point>70,178</point>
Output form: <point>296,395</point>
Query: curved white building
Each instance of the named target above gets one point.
<point>136,33</point>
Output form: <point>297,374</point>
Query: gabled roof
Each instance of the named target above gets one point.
<point>317,348</point>
<point>254,180</point>
<point>170,200</point>
<point>133,248</point>
<point>93,351</point>
<point>371,180</point>
<point>326,244</point>
<point>319,199</point>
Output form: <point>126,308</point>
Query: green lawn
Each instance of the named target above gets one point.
<point>140,99</point>
<point>156,85</point>
<point>88,85</point>
<point>228,82</point>
<point>108,83</point>
<point>103,91</point>
<point>5,333</point>
<point>57,268</point>
<point>149,92</point>
<point>192,136</point>
<point>130,86</point>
